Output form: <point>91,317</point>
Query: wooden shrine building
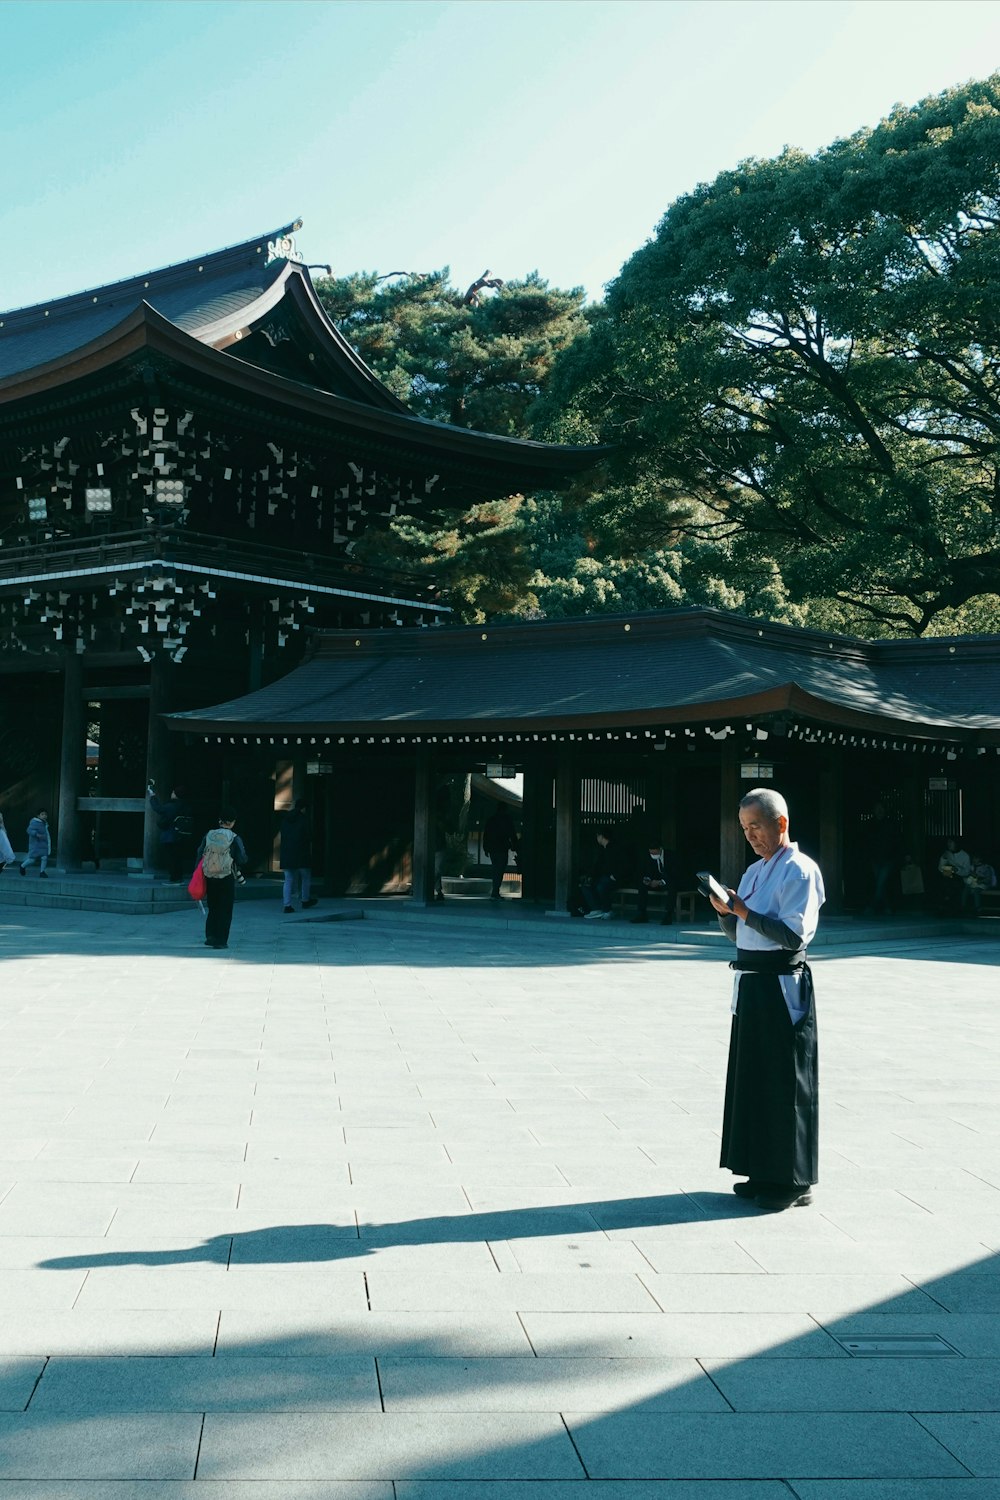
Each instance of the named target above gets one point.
<point>186,458</point>
<point>669,717</point>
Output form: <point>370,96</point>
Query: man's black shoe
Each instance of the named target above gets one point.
<point>749,1189</point>
<point>43,875</point>
<point>311,902</point>
<point>776,1199</point>
<point>22,869</point>
<point>287,909</point>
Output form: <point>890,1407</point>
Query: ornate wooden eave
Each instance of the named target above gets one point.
<point>243,331</point>
<point>474,461</point>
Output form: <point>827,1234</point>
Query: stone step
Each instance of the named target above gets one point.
<point>132,896</point>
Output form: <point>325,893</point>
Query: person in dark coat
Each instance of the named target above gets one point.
<point>771,1114</point>
<point>598,888</point>
<point>176,827</point>
<point>295,855</point>
<point>656,873</point>
<point>499,838</point>
<point>883,844</point>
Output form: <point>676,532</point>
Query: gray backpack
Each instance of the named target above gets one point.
<point>217,861</point>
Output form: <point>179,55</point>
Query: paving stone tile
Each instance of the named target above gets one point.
<point>475,1334</point>
<point>681,1335</point>
<point>72,1169</point>
<point>919,1262</point>
<point>743,1446</point>
<point>896,1489</point>
<point>704,1255</point>
<point>38,1289</point>
<point>974,1439</point>
<point>99,1447</point>
<point>202,1384</point>
<point>585,1252</point>
<point>165,1287</point>
<point>551,1385</point>
<point>975,1291</point>
<point>237,1489</point>
<point>480,1446</point>
<point>608,1489</point>
<point>17,1381</point>
<point>830,1295</point>
<point>535,1291</point>
<point>910,1385</point>
<point>185,1331</point>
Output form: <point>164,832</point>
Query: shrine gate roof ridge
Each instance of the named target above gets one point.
<point>192,293</point>
<point>656,668</point>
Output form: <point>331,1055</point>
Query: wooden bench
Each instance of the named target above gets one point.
<point>686,902</point>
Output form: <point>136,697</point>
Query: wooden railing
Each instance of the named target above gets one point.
<point>235,555</point>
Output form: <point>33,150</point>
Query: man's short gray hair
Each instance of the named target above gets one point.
<point>772,804</point>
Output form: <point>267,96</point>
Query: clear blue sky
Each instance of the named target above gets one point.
<point>413,134</point>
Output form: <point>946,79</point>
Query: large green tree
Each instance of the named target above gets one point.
<point>482,357</point>
<point>802,369</point>
<point>476,357</point>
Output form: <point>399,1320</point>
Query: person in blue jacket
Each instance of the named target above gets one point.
<point>39,843</point>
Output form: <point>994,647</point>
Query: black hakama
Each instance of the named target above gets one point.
<point>770,1124</point>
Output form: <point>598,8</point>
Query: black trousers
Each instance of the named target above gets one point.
<point>498,859</point>
<point>219,895</point>
<point>177,857</point>
<point>770,1126</point>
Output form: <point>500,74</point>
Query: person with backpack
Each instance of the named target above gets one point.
<point>176,827</point>
<point>222,856</point>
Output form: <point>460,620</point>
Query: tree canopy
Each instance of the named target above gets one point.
<point>478,358</point>
<point>802,373</point>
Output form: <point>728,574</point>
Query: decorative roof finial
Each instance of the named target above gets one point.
<point>284,247</point>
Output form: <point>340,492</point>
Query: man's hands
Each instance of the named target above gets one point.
<point>736,908</point>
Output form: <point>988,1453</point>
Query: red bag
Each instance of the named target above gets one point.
<point>196,885</point>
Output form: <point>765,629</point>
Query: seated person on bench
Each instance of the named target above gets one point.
<point>657,873</point>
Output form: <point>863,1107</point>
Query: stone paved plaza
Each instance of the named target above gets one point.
<point>387,1210</point>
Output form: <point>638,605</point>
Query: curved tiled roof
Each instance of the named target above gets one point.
<point>678,666</point>
<point>193,294</point>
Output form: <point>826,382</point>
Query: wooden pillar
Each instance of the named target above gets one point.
<point>732,858</point>
<point>71,764</point>
<point>831,830</point>
<point>567,824</point>
<point>423,828</point>
<point>528,851</point>
<point>157,759</point>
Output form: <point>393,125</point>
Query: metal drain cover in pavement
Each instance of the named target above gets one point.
<point>899,1345</point>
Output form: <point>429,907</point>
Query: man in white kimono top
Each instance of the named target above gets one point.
<point>770,1120</point>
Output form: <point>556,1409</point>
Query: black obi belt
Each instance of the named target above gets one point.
<point>770,961</point>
